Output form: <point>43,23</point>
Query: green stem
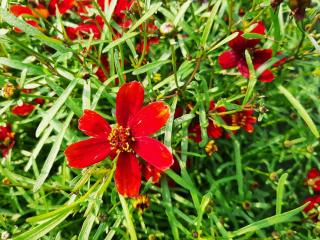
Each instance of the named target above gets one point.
<point>174,66</point>
<point>130,226</point>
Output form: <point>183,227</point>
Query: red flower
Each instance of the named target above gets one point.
<point>83,29</point>
<point>149,172</point>
<point>313,208</point>
<point>39,11</point>
<point>313,179</point>
<point>236,57</point>
<point>23,110</point>
<point>63,6</point>
<point>213,130</point>
<point>243,119</point>
<point>151,29</point>
<point>19,10</point>
<point>129,137</point>
<point>39,101</point>
<point>6,139</point>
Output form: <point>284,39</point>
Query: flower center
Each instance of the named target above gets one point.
<point>120,139</point>
<point>8,90</point>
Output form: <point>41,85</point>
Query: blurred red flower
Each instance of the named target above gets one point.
<point>313,179</point>
<point>313,208</point>
<point>6,139</point>
<point>236,56</point>
<point>243,119</point>
<point>39,11</point>
<point>151,30</point>
<point>129,137</point>
<point>22,110</point>
<point>62,5</point>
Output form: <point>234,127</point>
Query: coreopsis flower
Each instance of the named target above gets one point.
<point>62,5</point>
<point>141,203</point>
<point>128,138</point>
<point>298,8</point>
<point>214,130</point>
<point>150,172</point>
<point>22,110</point>
<point>84,29</point>
<point>313,179</point>
<point>8,90</point>
<point>27,13</point>
<point>243,119</point>
<point>313,209</point>
<point>153,39</point>
<point>236,56</point>
<point>211,148</point>
<point>6,139</point>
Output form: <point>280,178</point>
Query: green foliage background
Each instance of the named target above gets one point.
<point>213,198</point>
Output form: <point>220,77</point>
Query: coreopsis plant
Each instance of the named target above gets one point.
<point>131,119</point>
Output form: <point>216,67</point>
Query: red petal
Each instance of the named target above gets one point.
<point>281,61</point>
<point>214,131</point>
<point>89,28</point>
<point>128,176</point>
<point>150,171</point>
<point>122,5</point>
<point>260,56</point>
<point>24,110</point>
<point>93,124</point>
<point>260,29</point>
<point>228,59</point>
<point>313,173</point>
<point>149,119</point>
<point>153,152</point>
<point>195,132</point>
<point>243,68</point>
<point>238,44</point>
<point>63,6</point>
<point>313,201</point>
<point>129,101</point>
<point>266,76</point>
<point>87,152</point>
<point>71,32</point>
<point>18,10</point>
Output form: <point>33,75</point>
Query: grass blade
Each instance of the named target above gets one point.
<point>301,110</point>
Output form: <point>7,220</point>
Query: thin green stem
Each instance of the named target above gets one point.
<point>130,226</point>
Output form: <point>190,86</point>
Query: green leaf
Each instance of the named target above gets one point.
<point>301,110</point>
<point>44,228</point>
<point>209,24</point>
<point>238,162</point>
<point>168,130</point>
<point>150,66</point>
<point>252,79</point>
<point>280,190</point>
<point>86,94</point>
<point>38,147</point>
<point>69,101</point>
<point>267,222</point>
<point>253,35</point>
<point>173,222</point>
<point>18,64</point>
<point>32,31</point>
<point>153,8</point>
<point>181,12</point>
<point>224,41</point>
<point>55,107</point>
<point>115,43</point>
<point>52,155</point>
